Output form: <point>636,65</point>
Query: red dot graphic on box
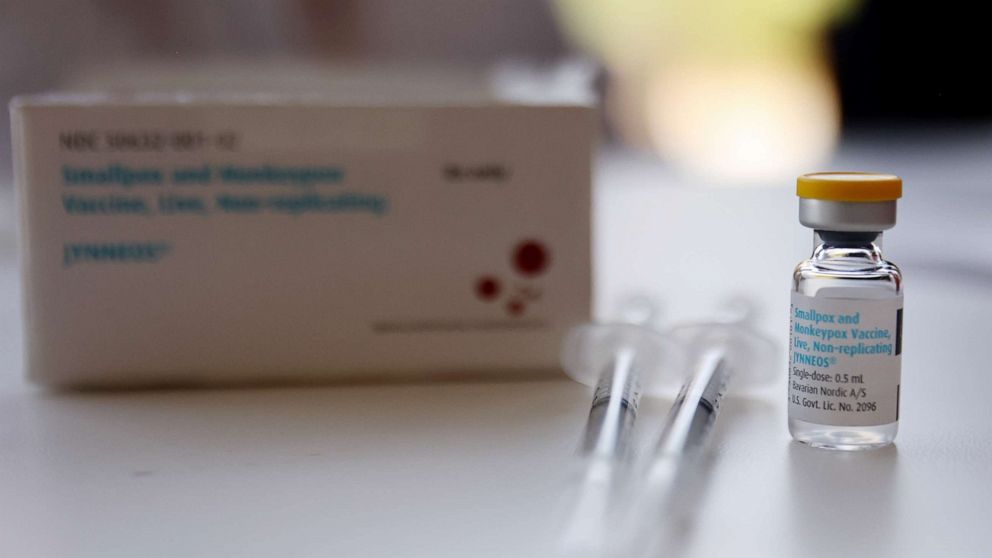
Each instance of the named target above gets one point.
<point>487,288</point>
<point>515,307</point>
<point>530,258</point>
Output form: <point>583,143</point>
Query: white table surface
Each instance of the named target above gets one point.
<point>474,469</point>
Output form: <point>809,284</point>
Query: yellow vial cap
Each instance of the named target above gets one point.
<point>849,186</point>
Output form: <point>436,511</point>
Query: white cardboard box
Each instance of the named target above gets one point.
<point>238,239</point>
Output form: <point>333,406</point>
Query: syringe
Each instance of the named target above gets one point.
<point>721,352</point>
<point>619,361</point>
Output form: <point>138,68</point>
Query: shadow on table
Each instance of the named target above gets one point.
<point>335,421</point>
<point>739,416</point>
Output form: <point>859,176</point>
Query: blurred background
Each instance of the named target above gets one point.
<point>710,107</point>
<point>719,87</point>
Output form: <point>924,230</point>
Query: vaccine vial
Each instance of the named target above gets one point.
<point>845,340</point>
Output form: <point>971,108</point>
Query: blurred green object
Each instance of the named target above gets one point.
<point>625,33</point>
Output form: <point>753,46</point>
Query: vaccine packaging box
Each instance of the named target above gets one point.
<point>212,240</point>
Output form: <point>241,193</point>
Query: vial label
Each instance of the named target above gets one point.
<point>845,358</point>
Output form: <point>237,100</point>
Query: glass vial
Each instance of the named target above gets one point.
<point>845,325</point>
